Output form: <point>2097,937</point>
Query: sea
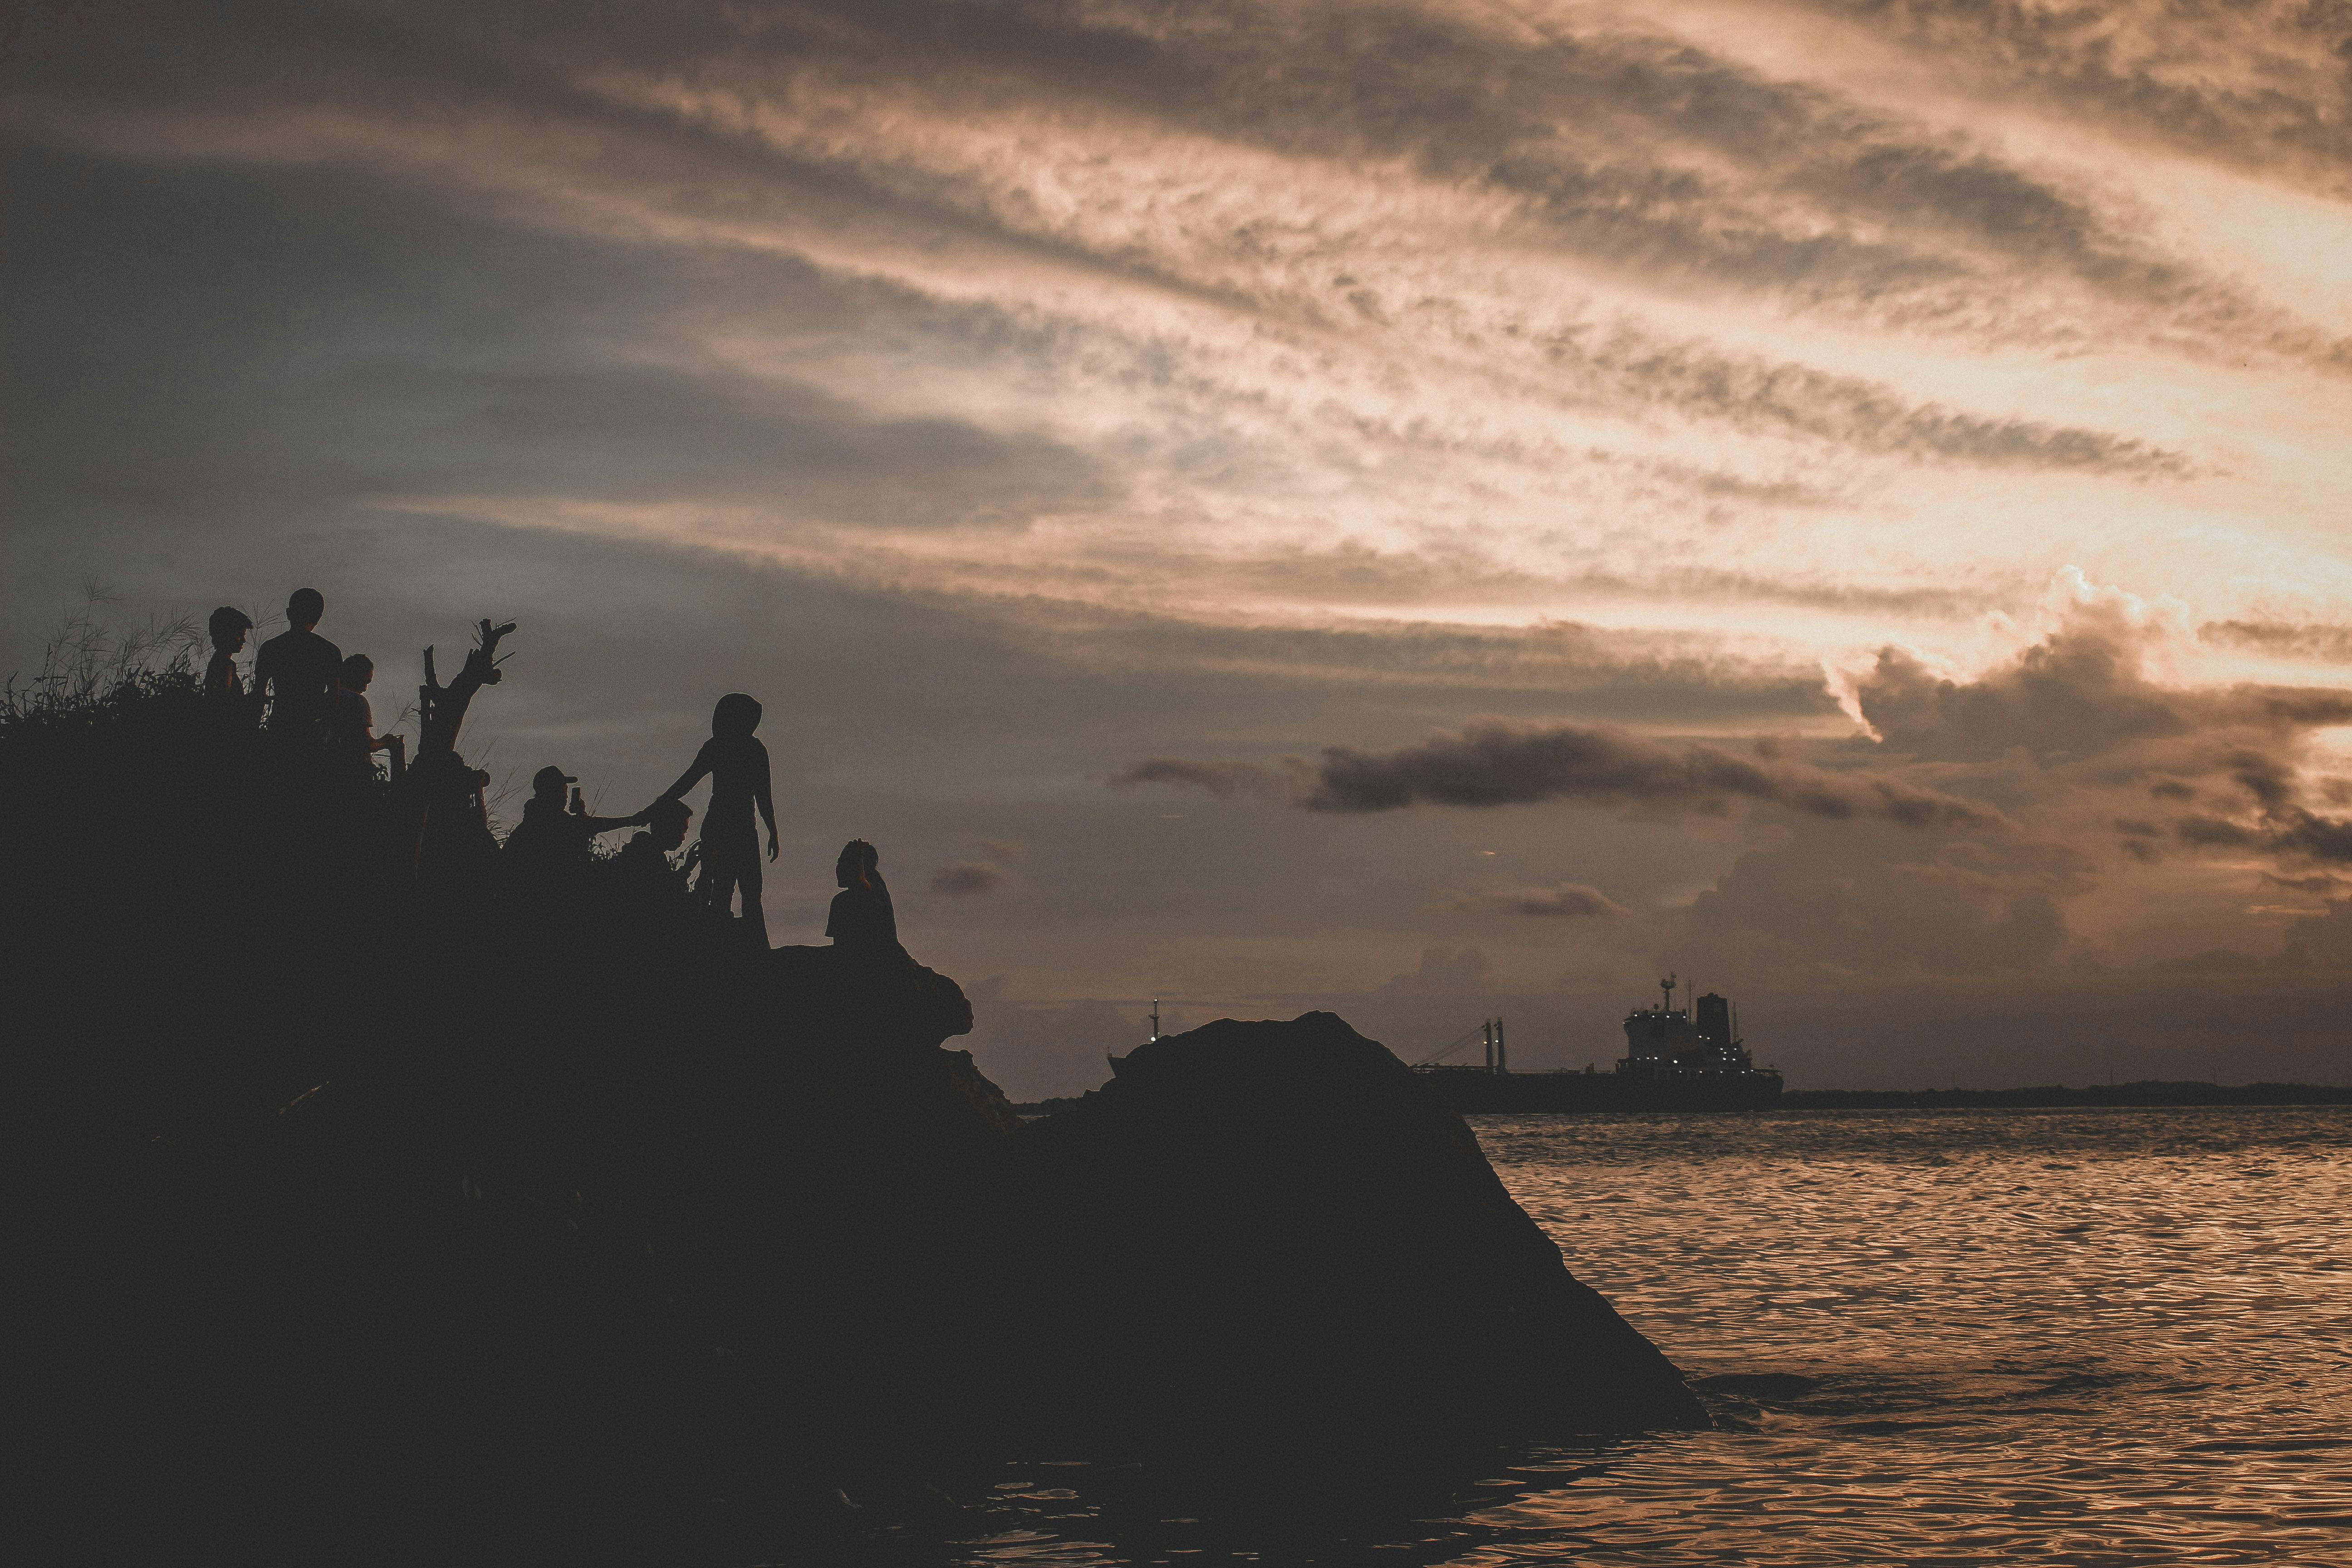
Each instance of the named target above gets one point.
<point>2084,1337</point>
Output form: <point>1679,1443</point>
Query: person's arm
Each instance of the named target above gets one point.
<point>761,793</point>
<point>692,775</point>
<point>595,825</point>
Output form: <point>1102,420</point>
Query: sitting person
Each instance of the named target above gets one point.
<point>350,723</point>
<point>551,842</point>
<point>862,919</point>
<point>645,860</point>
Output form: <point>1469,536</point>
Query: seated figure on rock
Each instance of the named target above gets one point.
<point>862,919</point>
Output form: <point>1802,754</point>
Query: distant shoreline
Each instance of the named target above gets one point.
<point>2047,1096</point>
<point>2059,1097</point>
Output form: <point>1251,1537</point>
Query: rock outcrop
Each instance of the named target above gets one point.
<point>373,1215</point>
<point>1264,1240</point>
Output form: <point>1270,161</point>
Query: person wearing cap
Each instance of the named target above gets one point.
<point>551,842</point>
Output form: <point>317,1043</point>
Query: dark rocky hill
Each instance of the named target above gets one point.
<point>355,1214</point>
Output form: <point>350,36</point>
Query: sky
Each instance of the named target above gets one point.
<point>1428,510</point>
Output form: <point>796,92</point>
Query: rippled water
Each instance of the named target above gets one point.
<point>2072,1337</point>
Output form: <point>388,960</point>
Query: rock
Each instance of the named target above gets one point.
<point>1267,1236</point>
<point>882,994</point>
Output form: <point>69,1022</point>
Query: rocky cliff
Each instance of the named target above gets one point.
<point>485,1221</point>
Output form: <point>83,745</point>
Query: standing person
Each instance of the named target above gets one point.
<point>297,672</point>
<point>351,726</point>
<point>223,690</point>
<point>738,765</point>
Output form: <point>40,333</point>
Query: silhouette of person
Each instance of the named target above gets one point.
<point>351,725</point>
<point>644,858</point>
<point>862,918</point>
<point>453,833</point>
<point>228,627</point>
<point>738,765</point>
<point>551,842</point>
<point>296,671</point>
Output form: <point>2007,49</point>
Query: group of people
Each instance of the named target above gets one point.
<point>309,698</point>
<point>315,698</point>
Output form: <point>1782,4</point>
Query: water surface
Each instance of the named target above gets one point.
<point>2092,1337</point>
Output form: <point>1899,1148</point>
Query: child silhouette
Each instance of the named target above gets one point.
<point>738,765</point>
<point>228,627</point>
<point>861,917</point>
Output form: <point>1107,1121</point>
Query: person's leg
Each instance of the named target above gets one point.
<point>755,918</point>
<point>719,883</point>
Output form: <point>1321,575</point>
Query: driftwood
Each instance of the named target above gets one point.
<point>441,710</point>
<point>452,822</point>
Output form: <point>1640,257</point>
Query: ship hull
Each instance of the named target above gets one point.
<point>1474,1093</point>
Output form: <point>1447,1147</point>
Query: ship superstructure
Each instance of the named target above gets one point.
<point>1675,1058</point>
<point>1667,1044</point>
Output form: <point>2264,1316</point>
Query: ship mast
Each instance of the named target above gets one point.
<point>1667,993</point>
<point>1155,1017</point>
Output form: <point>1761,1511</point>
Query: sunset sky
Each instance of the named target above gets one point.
<point>1427,511</point>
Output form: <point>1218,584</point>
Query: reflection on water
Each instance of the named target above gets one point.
<point>2075,1337</point>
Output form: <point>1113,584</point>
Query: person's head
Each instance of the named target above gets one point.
<point>735,715</point>
<point>304,609</point>
<point>858,863</point>
<point>229,626</point>
<point>358,671</point>
<point>667,822</point>
<point>548,782</point>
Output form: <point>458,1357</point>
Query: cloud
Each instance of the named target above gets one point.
<point>2294,834</point>
<point>986,869</point>
<point>1492,762</point>
<point>1754,393</point>
<point>2260,86</point>
<point>1829,904</point>
<point>1223,780</point>
<point>2320,883</point>
<point>1568,901</point>
<point>2212,960</point>
<point>2320,941</point>
<point>962,878</point>
<point>1444,972</point>
<point>2282,639</point>
<point>2078,692</point>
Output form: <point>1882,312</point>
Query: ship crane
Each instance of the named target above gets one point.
<point>1491,1031</point>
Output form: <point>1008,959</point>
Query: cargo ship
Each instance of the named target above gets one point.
<point>1675,1058</point>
